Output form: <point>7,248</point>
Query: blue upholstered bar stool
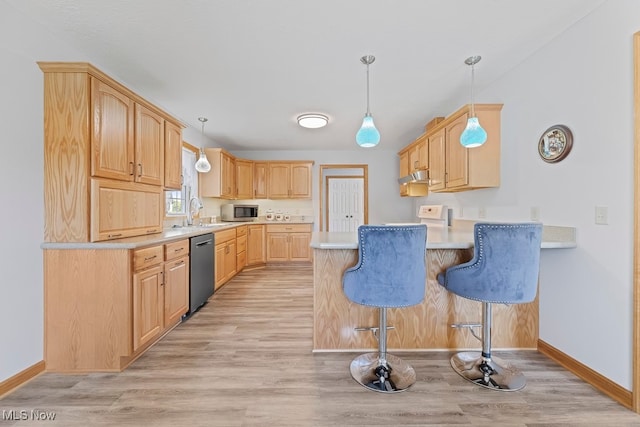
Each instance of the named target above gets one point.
<point>390,273</point>
<point>504,269</point>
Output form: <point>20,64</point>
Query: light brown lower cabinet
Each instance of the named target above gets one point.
<point>226,256</point>
<point>105,307</point>
<point>256,245</point>
<point>241,248</point>
<point>288,242</point>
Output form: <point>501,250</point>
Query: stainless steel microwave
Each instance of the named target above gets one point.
<point>233,212</point>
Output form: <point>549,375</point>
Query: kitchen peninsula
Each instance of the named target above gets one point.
<point>425,326</point>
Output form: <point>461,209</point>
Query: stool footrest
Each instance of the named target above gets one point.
<point>469,326</point>
<point>373,329</point>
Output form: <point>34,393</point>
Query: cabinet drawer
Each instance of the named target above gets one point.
<point>147,257</point>
<point>241,231</point>
<point>288,228</point>
<point>176,249</point>
<point>241,244</point>
<point>225,235</point>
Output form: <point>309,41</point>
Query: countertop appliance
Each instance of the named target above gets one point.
<point>235,212</point>
<point>201,271</point>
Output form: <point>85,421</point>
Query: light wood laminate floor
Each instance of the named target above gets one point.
<point>245,360</point>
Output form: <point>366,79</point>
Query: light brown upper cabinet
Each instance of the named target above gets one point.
<point>98,131</point>
<point>290,180</point>
<point>244,179</point>
<point>220,180</point>
<point>172,156</point>
<point>125,148</point>
<point>149,146</point>
<point>453,167</point>
<point>260,180</point>
<point>112,146</point>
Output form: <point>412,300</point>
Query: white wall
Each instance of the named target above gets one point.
<point>583,79</point>
<point>21,169</point>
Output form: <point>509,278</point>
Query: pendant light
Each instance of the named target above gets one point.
<point>368,135</point>
<point>203,165</point>
<point>473,135</point>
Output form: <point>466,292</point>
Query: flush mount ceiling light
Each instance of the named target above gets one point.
<point>473,135</point>
<point>368,135</point>
<point>313,121</point>
<point>203,165</point>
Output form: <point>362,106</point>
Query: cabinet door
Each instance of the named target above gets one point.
<point>277,247</point>
<point>123,209</point>
<point>112,153</point>
<point>423,154</point>
<point>279,178</point>
<point>220,264</point>
<point>176,290</point>
<point>404,171</point>
<point>228,172</point>
<point>172,156</point>
<point>260,174</point>
<point>299,249</point>
<point>436,161</point>
<point>256,253</point>
<point>148,298</point>
<point>244,179</point>
<point>149,146</point>
<point>457,156</point>
<point>414,162</point>
<point>300,187</point>
<point>230,260</point>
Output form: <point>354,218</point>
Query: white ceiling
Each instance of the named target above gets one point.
<point>252,66</point>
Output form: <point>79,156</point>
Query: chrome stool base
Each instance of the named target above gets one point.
<point>495,374</point>
<point>393,377</point>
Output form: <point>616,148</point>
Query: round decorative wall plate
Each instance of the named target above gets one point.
<point>555,143</point>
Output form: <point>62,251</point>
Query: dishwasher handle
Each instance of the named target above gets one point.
<point>206,242</point>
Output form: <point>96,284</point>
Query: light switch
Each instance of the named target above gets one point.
<point>482,213</point>
<point>602,215</point>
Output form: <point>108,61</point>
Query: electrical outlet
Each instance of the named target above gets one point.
<point>461,212</point>
<point>535,213</point>
<point>482,212</point>
<point>602,215</point>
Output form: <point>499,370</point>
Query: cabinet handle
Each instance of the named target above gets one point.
<point>131,168</point>
<point>162,278</point>
<point>149,258</point>
<point>178,263</point>
<point>153,230</point>
<point>415,164</point>
<point>111,236</point>
<point>177,250</point>
<point>139,169</point>
<point>255,193</point>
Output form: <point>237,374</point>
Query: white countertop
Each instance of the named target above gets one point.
<point>167,235</point>
<point>553,237</point>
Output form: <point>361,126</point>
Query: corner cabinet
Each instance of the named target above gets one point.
<point>97,130</point>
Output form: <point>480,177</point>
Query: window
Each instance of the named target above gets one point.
<point>176,201</point>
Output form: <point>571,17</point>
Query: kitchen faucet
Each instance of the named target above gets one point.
<point>194,206</point>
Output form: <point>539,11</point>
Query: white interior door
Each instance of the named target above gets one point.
<point>346,203</point>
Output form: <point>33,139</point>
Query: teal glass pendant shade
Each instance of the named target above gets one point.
<point>473,135</point>
<point>368,135</point>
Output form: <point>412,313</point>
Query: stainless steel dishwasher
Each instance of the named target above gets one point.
<point>201,271</point>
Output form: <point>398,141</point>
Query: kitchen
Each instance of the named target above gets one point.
<point>549,95</point>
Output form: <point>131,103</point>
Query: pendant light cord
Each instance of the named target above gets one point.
<point>368,112</point>
<point>473,110</point>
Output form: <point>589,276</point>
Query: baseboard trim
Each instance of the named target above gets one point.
<point>600,382</point>
<point>21,378</point>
